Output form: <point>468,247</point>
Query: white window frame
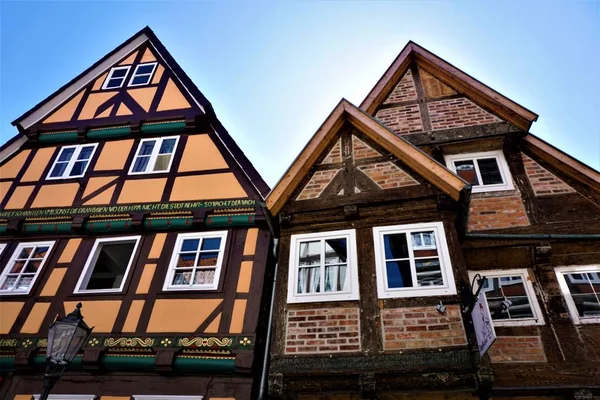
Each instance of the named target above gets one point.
<point>135,74</point>
<point>67,397</point>
<point>538,318</point>
<point>449,287</point>
<point>577,269</point>
<point>502,167</point>
<point>164,397</point>
<point>110,74</point>
<point>93,257</point>
<point>154,155</point>
<point>352,272</point>
<point>2,246</point>
<point>169,287</point>
<point>72,161</point>
<point>10,262</point>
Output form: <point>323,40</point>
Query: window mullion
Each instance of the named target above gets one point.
<point>411,258</point>
<point>477,171</point>
<point>322,268</point>
<point>593,289</point>
<point>196,261</point>
<point>154,155</point>
<point>72,161</point>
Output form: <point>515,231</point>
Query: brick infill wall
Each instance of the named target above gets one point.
<point>387,175</point>
<point>422,327</point>
<point>544,182</point>
<point>322,330</point>
<point>405,90</point>
<point>517,349</point>
<point>458,113</point>
<point>318,182</point>
<point>497,213</point>
<point>401,120</point>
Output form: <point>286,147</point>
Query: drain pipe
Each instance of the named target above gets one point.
<point>262,389</point>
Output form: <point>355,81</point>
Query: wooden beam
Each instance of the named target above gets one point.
<point>567,164</point>
<point>304,162</point>
<point>424,165</point>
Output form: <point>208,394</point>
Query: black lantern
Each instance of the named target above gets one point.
<point>65,338</point>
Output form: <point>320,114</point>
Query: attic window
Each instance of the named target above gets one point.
<point>72,161</point>
<point>142,74</point>
<point>116,77</point>
<point>154,155</point>
<point>486,171</point>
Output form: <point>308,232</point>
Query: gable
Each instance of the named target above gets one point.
<point>97,103</point>
<point>360,169</point>
<point>425,90</point>
<point>317,170</point>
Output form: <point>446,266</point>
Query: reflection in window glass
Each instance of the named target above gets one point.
<point>585,291</point>
<point>154,155</point>
<point>507,298</point>
<point>24,267</point>
<point>322,261</point>
<point>72,161</point>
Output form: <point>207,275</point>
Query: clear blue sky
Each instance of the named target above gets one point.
<point>274,70</point>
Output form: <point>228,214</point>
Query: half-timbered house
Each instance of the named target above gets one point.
<point>386,218</point>
<point>123,191</point>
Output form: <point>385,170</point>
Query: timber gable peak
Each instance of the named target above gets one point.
<point>421,92</point>
<point>338,161</point>
<point>137,81</point>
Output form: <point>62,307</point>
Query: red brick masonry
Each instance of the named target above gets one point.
<point>405,90</point>
<point>542,181</point>
<point>517,349</point>
<point>458,113</point>
<point>401,120</point>
<point>322,330</point>
<point>318,182</point>
<point>422,327</point>
<point>387,175</point>
<point>497,213</point>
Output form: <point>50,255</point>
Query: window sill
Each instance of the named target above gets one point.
<point>587,321</point>
<point>529,322</point>
<point>323,298</point>
<point>399,293</point>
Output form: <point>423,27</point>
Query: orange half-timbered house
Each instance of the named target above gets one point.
<point>124,192</point>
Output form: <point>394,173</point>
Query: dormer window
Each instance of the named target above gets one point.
<point>142,74</point>
<point>116,77</point>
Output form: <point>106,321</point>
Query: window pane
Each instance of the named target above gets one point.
<point>513,287</point>
<point>85,153</point>
<point>429,272</point>
<point>66,154</point>
<point>490,173</point>
<point>587,305</point>
<point>186,260</point>
<point>204,277</point>
<point>309,280</point>
<point>144,69</point>
<point>162,163</point>
<point>32,267</point>
<point>8,283</point>
<point>78,168</point>
<point>167,146</point>
<point>335,278</point>
<point>398,274</point>
<point>24,282</point>
<point>395,246</point>
<point>140,80</point>
<point>466,170</point>
<point>208,259</point>
<point>17,267</point>
<point>182,277</point>
<point>519,307</point>
<point>40,252</point>
<point>146,148</point>
<point>310,253</point>
<point>211,244</point>
<point>109,269</point>
<point>423,244</point>
<point>25,252</point>
<point>141,163</point>
<point>58,170</point>
<point>114,83</point>
<point>492,288</point>
<point>190,245</point>
<point>335,251</point>
<point>119,73</point>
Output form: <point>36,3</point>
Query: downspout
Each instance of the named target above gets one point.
<point>262,389</point>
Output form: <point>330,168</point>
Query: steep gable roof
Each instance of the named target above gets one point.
<point>437,174</point>
<point>120,53</point>
<point>481,94</point>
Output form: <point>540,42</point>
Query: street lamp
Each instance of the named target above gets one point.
<point>65,338</point>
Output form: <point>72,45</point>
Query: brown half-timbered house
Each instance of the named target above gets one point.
<point>124,192</point>
<point>386,218</point>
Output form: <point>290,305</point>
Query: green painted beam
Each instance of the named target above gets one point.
<point>58,137</point>
<point>109,132</point>
<point>163,127</point>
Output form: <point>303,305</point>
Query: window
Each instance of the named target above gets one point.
<point>108,264</point>
<point>24,267</point>
<point>197,261</point>
<point>2,246</point>
<point>116,77</point>
<point>67,397</point>
<point>323,267</point>
<point>154,155</point>
<point>72,161</point>
<point>412,260</point>
<point>487,171</point>
<point>142,74</point>
<point>581,287</point>
<point>510,297</point>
